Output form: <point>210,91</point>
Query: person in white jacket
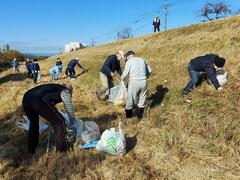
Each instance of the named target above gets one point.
<point>138,71</point>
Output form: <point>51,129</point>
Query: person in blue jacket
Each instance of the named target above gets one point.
<point>70,68</point>
<point>207,64</point>
<point>55,71</point>
<point>111,64</point>
<point>15,65</point>
<point>29,67</point>
<point>35,70</point>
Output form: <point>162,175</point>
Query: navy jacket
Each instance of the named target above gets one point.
<point>29,65</point>
<point>73,63</point>
<point>206,64</point>
<point>35,67</point>
<point>111,64</point>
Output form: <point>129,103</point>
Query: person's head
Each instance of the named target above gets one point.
<point>77,58</point>
<point>219,62</point>
<point>58,59</point>
<point>69,87</point>
<point>14,59</point>
<point>35,60</point>
<point>120,54</point>
<point>27,59</point>
<point>129,55</point>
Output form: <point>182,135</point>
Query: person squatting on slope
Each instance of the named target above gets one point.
<point>207,64</point>
<point>156,24</point>
<point>70,68</point>
<point>111,64</point>
<point>35,70</point>
<point>56,72</point>
<point>59,64</point>
<point>28,64</point>
<point>16,66</point>
<point>138,71</point>
<point>41,100</point>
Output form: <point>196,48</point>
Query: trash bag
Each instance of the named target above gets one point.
<point>112,142</point>
<point>121,96</point>
<point>87,131</point>
<point>113,92</point>
<point>39,75</point>
<point>25,125</point>
<point>222,77</point>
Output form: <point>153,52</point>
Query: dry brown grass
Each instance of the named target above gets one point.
<point>177,140</point>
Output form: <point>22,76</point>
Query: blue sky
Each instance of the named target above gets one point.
<point>46,25</point>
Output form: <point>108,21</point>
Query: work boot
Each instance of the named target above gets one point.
<point>185,93</point>
<point>140,113</point>
<point>128,113</point>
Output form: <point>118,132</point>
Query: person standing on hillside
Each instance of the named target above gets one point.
<point>111,64</point>
<point>29,67</point>
<point>156,24</point>
<point>208,64</point>
<point>138,71</point>
<point>41,100</point>
<point>70,68</point>
<point>15,65</point>
<point>35,70</point>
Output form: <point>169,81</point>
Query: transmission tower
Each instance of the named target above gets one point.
<point>166,6</point>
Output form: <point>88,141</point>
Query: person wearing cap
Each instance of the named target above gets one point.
<point>41,101</point>
<point>70,68</point>
<point>111,64</point>
<point>156,24</point>
<point>138,71</point>
<point>207,64</point>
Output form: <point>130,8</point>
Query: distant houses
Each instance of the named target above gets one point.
<point>73,46</point>
<point>4,47</point>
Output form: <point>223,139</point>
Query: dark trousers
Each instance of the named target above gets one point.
<point>156,28</point>
<point>29,73</point>
<point>35,76</point>
<point>194,75</point>
<point>34,107</point>
<point>71,72</point>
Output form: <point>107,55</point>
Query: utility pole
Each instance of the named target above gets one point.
<point>166,5</point>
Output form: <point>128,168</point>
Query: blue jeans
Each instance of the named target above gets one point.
<point>194,79</point>
<point>53,76</point>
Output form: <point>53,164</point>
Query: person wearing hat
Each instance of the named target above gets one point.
<point>156,24</point>
<point>111,64</point>
<point>138,71</point>
<point>207,64</point>
<point>41,100</point>
<point>70,68</point>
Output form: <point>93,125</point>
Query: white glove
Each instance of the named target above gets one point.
<point>220,88</point>
<point>112,74</point>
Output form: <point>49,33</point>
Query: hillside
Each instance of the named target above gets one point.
<point>176,140</point>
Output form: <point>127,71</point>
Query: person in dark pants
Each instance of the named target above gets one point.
<point>207,64</point>
<point>70,68</point>
<point>156,24</point>
<point>111,65</point>
<point>41,100</point>
<point>35,70</point>
<point>29,67</point>
<point>58,62</point>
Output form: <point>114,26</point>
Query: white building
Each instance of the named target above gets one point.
<point>73,46</point>
<point>4,47</point>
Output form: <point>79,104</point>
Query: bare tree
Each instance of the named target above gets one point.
<point>211,11</point>
<point>124,33</point>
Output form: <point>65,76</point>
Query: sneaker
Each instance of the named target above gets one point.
<point>185,93</point>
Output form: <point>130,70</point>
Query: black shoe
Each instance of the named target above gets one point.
<point>128,113</point>
<point>140,113</point>
<point>185,93</point>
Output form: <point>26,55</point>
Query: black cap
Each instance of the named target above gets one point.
<point>219,62</point>
<point>129,53</point>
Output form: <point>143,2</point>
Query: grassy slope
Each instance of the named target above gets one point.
<point>176,140</point>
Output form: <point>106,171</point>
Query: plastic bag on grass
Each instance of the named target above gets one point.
<point>112,142</point>
<point>121,96</point>
<point>25,125</point>
<point>222,77</point>
<point>113,93</point>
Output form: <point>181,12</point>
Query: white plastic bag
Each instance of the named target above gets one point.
<point>121,96</point>
<point>113,93</point>
<point>25,125</point>
<point>112,142</point>
<point>39,75</point>
<point>222,77</point>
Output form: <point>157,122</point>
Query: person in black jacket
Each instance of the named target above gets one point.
<point>70,68</point>
<point>111,65</point>
<point>156,24</point>
<point>29,67</point>
<point>35,70</point>
<point>208,64</point>
<point>41,100</point>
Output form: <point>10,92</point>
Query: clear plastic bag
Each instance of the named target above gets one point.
<point>121,96</point>
<point>222,77</point>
